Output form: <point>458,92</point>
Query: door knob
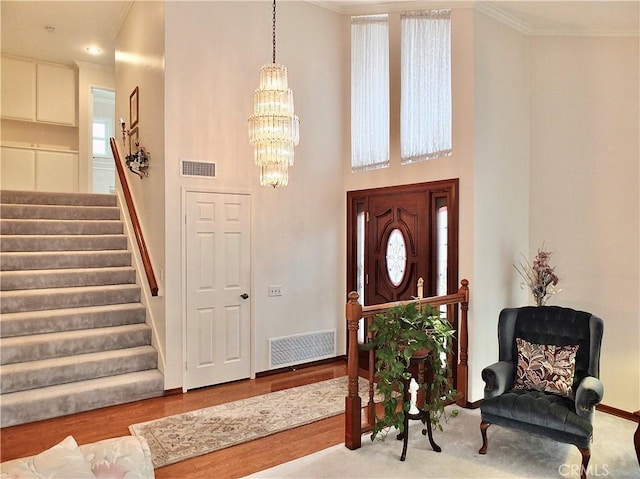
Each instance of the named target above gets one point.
<point>244,295</point>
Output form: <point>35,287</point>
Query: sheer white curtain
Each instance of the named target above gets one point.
<point>369,92</point>
<point>425,109</point>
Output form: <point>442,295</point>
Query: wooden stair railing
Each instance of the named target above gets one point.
<point>354,311</point>
<point>144,254</point>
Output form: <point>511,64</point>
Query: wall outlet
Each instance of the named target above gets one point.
<point>275,290</point>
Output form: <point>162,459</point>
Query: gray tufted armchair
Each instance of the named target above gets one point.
<point>564,418</point>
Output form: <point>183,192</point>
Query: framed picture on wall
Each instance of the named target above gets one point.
<point>133,108</point>
<point>133,139</point>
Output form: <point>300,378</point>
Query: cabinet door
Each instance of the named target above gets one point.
<point>56,93</point>
<point>56,172</point>
<point>18,89</point>
<point>17,169</point>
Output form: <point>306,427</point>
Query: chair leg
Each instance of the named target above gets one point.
<point>483,430</point>
<point>586,456</point>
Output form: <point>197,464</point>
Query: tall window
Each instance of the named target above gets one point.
<point>369,92</point>
<point>425,110</point>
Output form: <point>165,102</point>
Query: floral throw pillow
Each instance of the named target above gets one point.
<point>546,368</point>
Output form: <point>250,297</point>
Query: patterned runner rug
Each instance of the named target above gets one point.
<point>183,436</point>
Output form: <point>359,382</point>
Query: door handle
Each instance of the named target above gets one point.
<point>244,295</point>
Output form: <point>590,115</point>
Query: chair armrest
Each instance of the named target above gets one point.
<point>498,378</point>
<point>589,393</point>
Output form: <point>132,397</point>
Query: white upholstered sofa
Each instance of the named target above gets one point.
<point>126,457</point>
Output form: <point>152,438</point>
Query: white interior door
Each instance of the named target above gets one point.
<point>218,280</point>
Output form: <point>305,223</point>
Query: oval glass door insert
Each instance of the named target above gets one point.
<point>396,257</point>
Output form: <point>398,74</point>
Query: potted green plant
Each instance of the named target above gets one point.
<point>400,333</point>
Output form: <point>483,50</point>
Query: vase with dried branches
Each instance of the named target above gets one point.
<point>539,276</point>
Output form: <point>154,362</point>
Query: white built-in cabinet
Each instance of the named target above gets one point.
<point>40,133</point>
<point>17,169</point>
<point>18,89</point>
<point>55,94</point>
<point>40,92</point>
<point>28,169</point>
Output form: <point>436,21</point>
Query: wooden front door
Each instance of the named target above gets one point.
<point>398,234</point>
<point>397,246</point>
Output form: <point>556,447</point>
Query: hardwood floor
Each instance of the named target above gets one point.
<point>237,461</point>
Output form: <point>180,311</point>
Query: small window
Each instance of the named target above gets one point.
<point>369,92</point>
<point>100,138</point>
<point>396,257</point>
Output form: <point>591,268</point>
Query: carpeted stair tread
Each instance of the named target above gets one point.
<point>68,343</point>
<point>76,297</point>
<point>64,278</point>
<point>64,259</point>
<point>49,198</point>
<point>71,319</point>
<point>60,212</point>
<point>43,403</point>
<point>67,369</point>
<point>56,227</point>
<point>62,242</point>
<point>73,331</point>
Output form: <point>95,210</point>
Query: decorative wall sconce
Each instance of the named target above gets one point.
<point>138,158</point>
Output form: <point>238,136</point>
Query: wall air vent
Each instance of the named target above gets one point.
<point>198,169</point>
<point>299,348</point>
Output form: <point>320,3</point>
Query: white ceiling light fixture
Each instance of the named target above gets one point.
<point>274,128</point>
<point>93,50</point>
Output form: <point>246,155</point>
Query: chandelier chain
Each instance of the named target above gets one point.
<point>274,31</point>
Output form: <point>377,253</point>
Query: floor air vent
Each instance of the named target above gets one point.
<point>289,350</point>
<point>200,169</point>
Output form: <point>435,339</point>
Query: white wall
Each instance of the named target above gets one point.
<point>501,189</point>
<point>584,181</point>
<point>140,62</point>
<point>214,51</point>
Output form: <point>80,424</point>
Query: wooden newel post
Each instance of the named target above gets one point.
<point>463,339</point>
<point>353,403</point>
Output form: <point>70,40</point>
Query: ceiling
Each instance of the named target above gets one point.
<point>76,24</point>
<point>79,24</point>
<point>572,17</point>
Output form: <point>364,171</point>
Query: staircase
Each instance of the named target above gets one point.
<point>72,329</point>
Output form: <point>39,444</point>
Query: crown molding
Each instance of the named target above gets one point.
<point>123,16</point>
<point>366,7</point>
<point>487,8</point>
<point>522,26</point>
<point>503,17</point>
<point>94,66</point>
<point>586,32</point>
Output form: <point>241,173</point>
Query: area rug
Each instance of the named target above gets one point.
<point>183,436</point>
<point>511,454</point>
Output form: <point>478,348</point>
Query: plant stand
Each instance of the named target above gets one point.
<point>417,369</point>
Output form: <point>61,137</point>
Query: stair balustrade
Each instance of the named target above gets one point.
<point>354,312</point>
<point>137,229</point>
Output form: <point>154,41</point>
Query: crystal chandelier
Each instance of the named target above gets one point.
<point>274,129</point>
